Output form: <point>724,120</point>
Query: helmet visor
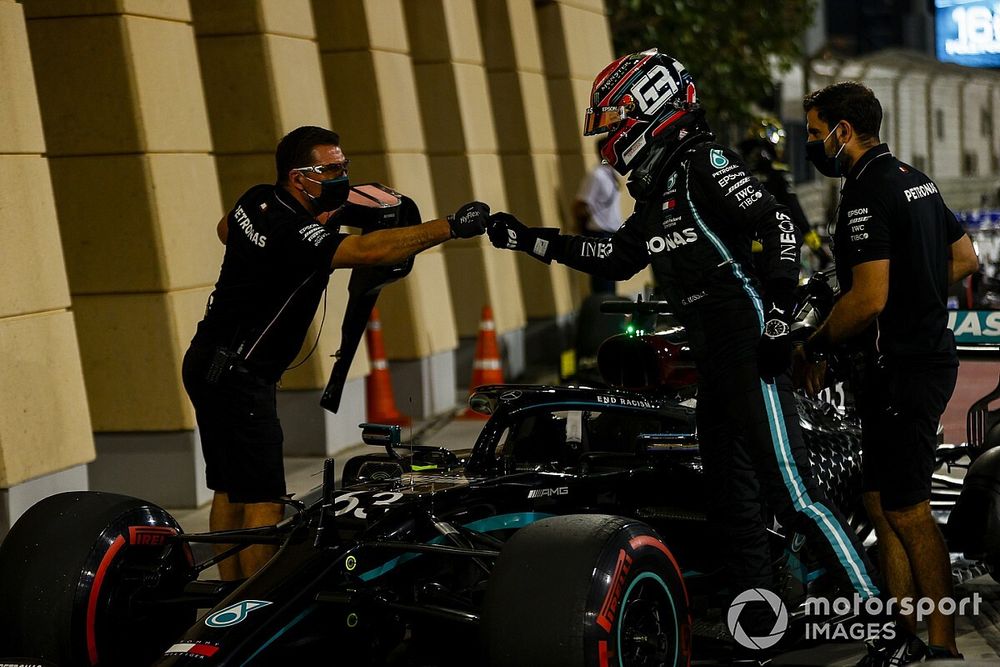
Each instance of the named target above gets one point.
<point>602,119</point>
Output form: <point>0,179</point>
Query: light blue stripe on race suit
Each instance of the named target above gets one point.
<point>819,514</point>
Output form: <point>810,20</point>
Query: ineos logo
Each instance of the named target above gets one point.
<point>648,91</point>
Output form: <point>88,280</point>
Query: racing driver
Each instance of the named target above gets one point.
<point>698,208</point>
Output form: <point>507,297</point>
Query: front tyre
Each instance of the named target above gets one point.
<point>586,589</point>
<point>80,575</point>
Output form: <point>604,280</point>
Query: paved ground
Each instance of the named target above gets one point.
<point>978,636</point>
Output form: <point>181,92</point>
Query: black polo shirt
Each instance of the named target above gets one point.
<point>276,266</point>
<point>889,210</point>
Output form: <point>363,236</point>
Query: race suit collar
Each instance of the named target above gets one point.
<point>872,153</point>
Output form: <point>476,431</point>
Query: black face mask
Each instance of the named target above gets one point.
<point>828,165</point>
<point>333,194</point>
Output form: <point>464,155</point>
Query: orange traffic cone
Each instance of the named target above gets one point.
<point>486,368</point>
<point>378,385</point>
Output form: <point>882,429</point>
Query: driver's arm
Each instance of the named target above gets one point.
<point>616,258</point>
<point>619,257</point>
<point>737,195</point>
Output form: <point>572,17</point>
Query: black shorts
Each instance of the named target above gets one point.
<point>900,413</point>
<point>241,436</point>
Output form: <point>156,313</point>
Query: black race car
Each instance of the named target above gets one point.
<point>572,533</point>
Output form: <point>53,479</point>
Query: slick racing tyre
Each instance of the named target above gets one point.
<point>79,574</point>
<point>591,590</point>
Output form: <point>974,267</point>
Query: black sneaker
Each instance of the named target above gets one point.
<point>901,648</point>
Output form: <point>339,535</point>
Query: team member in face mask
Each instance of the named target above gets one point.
<point>897,248</point>
<point>281,246</point>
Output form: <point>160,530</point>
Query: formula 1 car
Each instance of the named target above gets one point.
<point>572,533</point>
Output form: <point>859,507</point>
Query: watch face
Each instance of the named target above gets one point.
<point>775,328</point>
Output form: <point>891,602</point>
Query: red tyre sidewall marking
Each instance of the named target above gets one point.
<point>685,628</point>
<point>95,591</point>
<point>609,606</point>
<point>602,653</point>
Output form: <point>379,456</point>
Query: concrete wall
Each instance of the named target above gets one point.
<point>526,140</point>
<point>136,194</point>
<point>44,424</point>
<point>462,148</point>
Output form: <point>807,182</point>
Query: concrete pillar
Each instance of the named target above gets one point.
<point>260,64</point>
<point>45,433</point>
<point>137,197</point>
<point>458,123</point>
<point>576,45</point>
<point>372,97</point>
<point>526,141</point>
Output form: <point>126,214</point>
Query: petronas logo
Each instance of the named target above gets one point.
<point>718,159</point>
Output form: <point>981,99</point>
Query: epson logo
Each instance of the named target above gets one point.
<point>543,493</point>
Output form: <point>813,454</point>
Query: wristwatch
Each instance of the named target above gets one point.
<point>776,328</point>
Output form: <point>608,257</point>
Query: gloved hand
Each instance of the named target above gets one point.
<point>506,231</point>
<point>469,220</point>
<point>774,351</point>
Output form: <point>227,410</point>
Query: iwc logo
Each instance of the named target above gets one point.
<point>757,595</point>
<point>718,159</point>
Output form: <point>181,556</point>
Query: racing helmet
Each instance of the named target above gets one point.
<point>641,100</point>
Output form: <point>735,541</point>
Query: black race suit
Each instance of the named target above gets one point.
<point>276,267</point>
<point>891,211</point>
<point>697,235</point>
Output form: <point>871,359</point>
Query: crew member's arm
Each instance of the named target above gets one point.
<point>963,261</point>
<point>392,246</point>
<point>222,229</point>
<point>859,307</point>
<point>865,249</point>
<point>616,258</point>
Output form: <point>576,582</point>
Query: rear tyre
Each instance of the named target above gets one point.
<point>591,590</point>
<point>75,572</point>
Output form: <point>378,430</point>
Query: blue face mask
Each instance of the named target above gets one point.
<point>333,194</point>
<point>828,165</point>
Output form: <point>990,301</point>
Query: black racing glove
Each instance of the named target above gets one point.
<point>469,220</point>
<point>774,352</point>
<point>506,231</point>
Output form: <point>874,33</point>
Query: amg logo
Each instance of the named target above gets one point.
<point>920,191</point>
<point>544,493</point>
